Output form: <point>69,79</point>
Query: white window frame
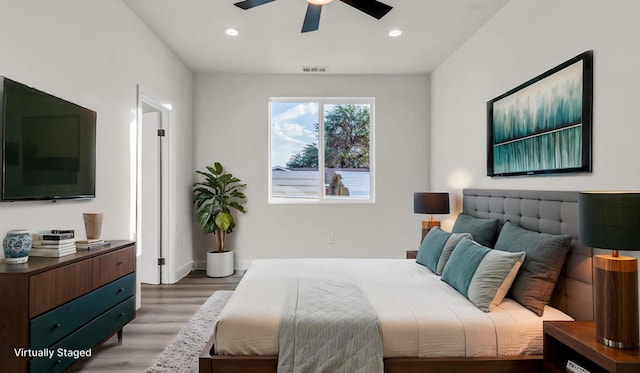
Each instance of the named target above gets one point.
<point>323,199</point>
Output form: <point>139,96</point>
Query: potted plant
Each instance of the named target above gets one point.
<point>214,198</point>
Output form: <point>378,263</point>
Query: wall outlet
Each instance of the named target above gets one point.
<point>332,239</point>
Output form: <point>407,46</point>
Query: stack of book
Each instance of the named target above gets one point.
<point>90,244</point>
<point>54,243</point>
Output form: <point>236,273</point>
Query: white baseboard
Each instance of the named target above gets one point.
<point>184,270</point>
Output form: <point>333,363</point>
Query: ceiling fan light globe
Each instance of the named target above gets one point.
<point>319,2</point>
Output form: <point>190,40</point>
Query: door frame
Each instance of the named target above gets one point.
<point>167,166</point>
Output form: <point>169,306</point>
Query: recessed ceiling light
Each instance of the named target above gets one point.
<point>319,2</point>
<point>395,33</point>
<point>231,31</point>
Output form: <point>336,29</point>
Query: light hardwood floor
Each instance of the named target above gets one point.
<point>165,309</point>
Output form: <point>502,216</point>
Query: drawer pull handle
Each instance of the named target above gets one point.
<point>120,262</point>
<point>121,314</point>
<point>120,290</point>
<point>56,325</point>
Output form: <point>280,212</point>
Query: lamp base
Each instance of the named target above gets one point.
<point>616,297</point>
<point>427,225</point>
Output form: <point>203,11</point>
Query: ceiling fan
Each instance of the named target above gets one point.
<point>311,22</point>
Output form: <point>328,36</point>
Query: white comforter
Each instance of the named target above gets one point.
<point>420,315</point>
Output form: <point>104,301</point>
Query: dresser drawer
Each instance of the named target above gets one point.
<point>85,338</point>
<point>113,265</point>
<point>50,289</point>
<point>50,327</point>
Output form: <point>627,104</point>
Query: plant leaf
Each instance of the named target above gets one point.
<point>217,168</point>
<point>224,221</point>
<point>237,206</point>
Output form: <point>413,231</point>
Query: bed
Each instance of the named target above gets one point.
<point>416,336</point>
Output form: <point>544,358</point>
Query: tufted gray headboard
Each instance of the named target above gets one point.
<point>554,212</point>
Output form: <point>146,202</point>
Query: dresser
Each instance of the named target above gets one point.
<point>55,311</point>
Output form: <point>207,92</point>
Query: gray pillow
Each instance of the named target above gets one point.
<point>431,248</point>
<point>451,243</point>
<point>482,230</point>
<point>545,255</point>
<point>481,274</point>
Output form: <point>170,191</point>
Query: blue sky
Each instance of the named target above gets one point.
<point>292,128</point>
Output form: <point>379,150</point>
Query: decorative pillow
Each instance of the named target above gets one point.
<point>453,240</point>
<point>436,248</point>
<point>431,248</point>
<point>481,274</point>
<point>539,273</point>
<point>482,230</point>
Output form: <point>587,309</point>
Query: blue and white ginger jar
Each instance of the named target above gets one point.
<point>17,246</point>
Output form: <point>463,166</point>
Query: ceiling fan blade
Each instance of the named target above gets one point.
<point>248,4</point>
<point>312,18</point>
<point>373,8</point>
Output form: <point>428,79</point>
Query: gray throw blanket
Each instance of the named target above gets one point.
<point>329,326</point>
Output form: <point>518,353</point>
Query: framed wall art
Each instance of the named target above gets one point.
<point>544,125</point>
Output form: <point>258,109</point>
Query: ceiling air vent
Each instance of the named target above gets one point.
<point>314,69</point>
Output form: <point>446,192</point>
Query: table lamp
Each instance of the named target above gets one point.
<point>430,203</point>
<point>610,220</point>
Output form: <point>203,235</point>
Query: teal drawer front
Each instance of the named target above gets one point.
<point>50,327</point>
<point>84,339</point>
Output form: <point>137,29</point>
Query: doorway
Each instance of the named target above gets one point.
<point>152,154</point>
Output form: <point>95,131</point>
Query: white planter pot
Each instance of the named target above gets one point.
<point>219,264</point>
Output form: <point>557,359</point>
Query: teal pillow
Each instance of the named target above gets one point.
<point>483,230</point>
<point>482,275</point>
<point>462,264</point>
<point>431,248</point>
<point>539,273</point>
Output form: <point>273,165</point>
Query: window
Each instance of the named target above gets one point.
<point>337,169</point>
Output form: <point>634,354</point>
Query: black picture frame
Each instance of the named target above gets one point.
<point>544,125</point>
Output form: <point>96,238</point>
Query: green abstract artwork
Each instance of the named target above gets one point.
<point>539,127</point>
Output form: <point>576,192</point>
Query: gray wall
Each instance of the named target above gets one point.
<point>94,53</point>
<point>231,126</point>
<point>525,39</point>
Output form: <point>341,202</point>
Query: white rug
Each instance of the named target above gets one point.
<point>181,356</point>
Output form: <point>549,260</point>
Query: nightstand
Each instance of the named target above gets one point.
<point>576,341</point>
<point>412,254</point>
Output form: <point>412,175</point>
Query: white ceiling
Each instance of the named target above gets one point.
<point>348,41</point>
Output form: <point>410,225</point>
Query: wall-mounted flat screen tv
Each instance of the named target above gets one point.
<point>48,145</point>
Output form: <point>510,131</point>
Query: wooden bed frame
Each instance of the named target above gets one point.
<point>552,212</point>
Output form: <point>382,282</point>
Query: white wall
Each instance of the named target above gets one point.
<point>523,40</point>
<point>231,126</point>
<point>94,53</point>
